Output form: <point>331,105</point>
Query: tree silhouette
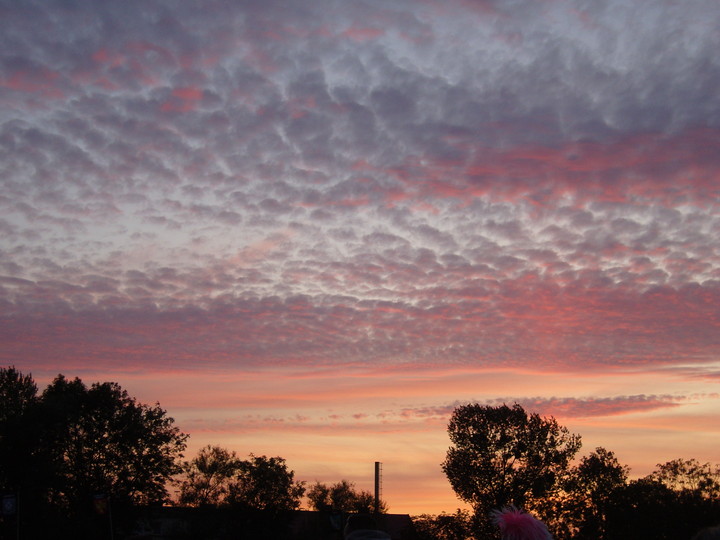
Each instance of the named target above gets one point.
<point>22,467</point>
<point>264,483</point>
<point>208,477</point>
<point>675,501</point>
<point>18,393</point>
<point>72,442</point>
<point>319,497</point>
<point>343,497</point>
<point>444,526</point>
<point>590,491</point>
<point>504,456</point>
<point>102,441</point>
<point>689,476</point>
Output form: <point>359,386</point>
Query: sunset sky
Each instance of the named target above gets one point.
<point>310,229</point>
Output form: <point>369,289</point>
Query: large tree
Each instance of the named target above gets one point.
<point>679,498</point>
<point>504,456</point>
<point>101,440</point>
<point>343,497</point>
<point>60,448</point>
<point>591,489</point>
<point>18,392</point>
<point>444,526</point>
<point>689,477</point>
<point>265,483</point>
<point>208,477</point>
<point>21,466</point>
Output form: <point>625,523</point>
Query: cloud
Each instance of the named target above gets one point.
<point>364,213</point>
<point>434,417</point>
<point>602,407</point>
<point>163,315</point>
<point>454,183</point>
<point>568,407</point>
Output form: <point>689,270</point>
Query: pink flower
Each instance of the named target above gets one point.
<point>515,524</point>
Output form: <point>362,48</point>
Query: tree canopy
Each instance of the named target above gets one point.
<point>103,441</point>
<point>690,477</point>
<point>504,456</point>
<point>589,491</point>
<point>18,392</point>
<point>457,526</point>
<point>265,483</point>
<point>20,464</point>
<point>85,441</point>
<point>217,477</point>
<point>61,447</point>
<point>343,497</point>
<point>208,477</point>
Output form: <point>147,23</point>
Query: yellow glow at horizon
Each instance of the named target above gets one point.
<point>332,424</point>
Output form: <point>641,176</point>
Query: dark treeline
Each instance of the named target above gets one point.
<point>218,478</point>
<point>72,453</point>
<point>503,456</point>
<point>68,451</point>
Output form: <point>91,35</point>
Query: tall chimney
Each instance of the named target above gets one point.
<point>378,485</point>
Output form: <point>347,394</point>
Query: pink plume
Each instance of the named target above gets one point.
<point>518,525</point>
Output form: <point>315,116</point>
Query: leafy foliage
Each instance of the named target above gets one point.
<point>264,483</point>
<point>208,477</point>
<point>21,466</point>
<point>86,441</point>
<point>589,493</point>
<point>319,497</point>
<point>72,441</point>
<point>457,526</point>
<point>217,477</point>
<point>504,456</point>
<point>679,498</point>
<point>646,508</point>
<point>18,393</point>
<point>103,441</point>
<point>689,476</point>
<point>343,497</point>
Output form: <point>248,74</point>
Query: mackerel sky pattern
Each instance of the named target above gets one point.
<point>219,186</point>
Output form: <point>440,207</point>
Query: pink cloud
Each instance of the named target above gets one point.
<point>569,407</point>
<point>419,418</point>
<point>43,81</point>
<point>110,58</point>
<point>188,93</point>
<point>363,33</point>
<point>183,99</point>
<point>595,407</point>
<point>587,171</point>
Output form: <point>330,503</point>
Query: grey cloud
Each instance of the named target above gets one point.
<point>597,407</point>
<point>250,331</point>
<point>393,106</point>
<point>570,407</point>
<point>415,159</point>
<point>384,239</point>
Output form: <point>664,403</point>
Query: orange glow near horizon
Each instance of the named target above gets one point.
<point>314,232</point>
<point>335,424</point>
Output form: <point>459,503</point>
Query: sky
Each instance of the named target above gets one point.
<point>312,229</point>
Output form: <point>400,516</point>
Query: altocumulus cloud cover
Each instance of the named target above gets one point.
<point>385,203</point>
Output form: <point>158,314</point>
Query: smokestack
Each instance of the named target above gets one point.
<point>378,485</point>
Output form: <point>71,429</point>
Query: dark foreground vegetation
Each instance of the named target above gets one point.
<point>502,456</point>
<point>91,463</point>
